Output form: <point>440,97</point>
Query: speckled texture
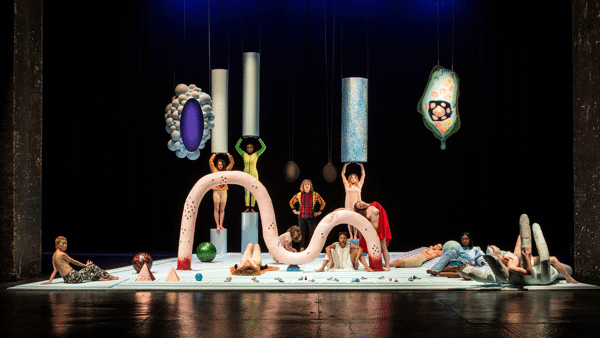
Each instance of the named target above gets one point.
<point>355,122</point>
<point>586,137</point>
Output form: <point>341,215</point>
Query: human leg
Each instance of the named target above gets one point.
<point>386,254</point>
<point>248,251</point>
<point>442,262</point>
<point>561,269</point>
<point>256,254</point>
<point>409,262</point>
<point>247,199</point>
<point>221,214</point>
<point>322,268</point>
<point>302,224</point>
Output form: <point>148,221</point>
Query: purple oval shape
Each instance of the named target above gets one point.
<point>192,125</point>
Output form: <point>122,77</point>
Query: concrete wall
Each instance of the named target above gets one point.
<point>586,137</point>
<point>21,144</point>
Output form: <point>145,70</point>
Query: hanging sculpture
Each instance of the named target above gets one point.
<point>189,120</point>
<point>439,104</point>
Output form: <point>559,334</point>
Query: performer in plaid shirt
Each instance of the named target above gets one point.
<point>307,198</point>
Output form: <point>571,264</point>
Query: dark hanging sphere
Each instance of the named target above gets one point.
<point>329,173</point>
<point>292,171</point>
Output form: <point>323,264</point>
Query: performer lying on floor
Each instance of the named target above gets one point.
<point>61,263</point>
<point>343,255</point>
<point>419,258</point>
<point>251,263</point>
<point>452,260</point>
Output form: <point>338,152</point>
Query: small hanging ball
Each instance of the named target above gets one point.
<point>329,173</point>
<point>292,171</point>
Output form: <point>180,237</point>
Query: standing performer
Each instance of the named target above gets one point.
<point>353,188</point>
<point>376,214</point>
<point>307,198</point>
<point>220,191</point>
<point>250,158</point>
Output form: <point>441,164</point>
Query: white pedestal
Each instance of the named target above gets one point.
<point>249,229</point>
<point>218,238</point>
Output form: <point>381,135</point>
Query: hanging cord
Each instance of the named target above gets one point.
<point>452,35</point>
<point>437,8</point>
<point>330,130</point>
<point>326,82</point>
<point>209,60</point>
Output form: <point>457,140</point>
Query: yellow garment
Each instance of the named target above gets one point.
<point>214,169</point>
<point>250,166</point>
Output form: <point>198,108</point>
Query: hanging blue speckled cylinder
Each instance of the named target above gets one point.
<point>355,120</point>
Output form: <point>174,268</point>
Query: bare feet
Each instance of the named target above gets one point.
<point>320,270</point>
<point>247,210</point>
<point>368,269</point>
<point>431,272</point>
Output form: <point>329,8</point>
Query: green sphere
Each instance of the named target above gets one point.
<point>206,252</point>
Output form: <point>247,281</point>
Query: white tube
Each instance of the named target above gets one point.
<point>220,105</point>
<point>251,91</point>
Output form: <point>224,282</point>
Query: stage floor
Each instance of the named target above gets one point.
<point>215,277</point>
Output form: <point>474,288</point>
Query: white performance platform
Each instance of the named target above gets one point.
<point>215,277</point>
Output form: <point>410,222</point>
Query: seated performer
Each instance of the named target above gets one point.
<point>375,213</point>
<point>343,255</point>
<point>61,263</point>
<point>250,265</point>
<point>291,235</point>
<point>419,258</point>
<point>453,259</point>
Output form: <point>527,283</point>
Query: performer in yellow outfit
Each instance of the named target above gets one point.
<point>250,158</point>
<point>220,191</point>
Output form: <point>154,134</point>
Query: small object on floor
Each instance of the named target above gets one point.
<point>228,279</point>
<point>140,259</point>
<point>363,278</point>
<point>312,280</point>
<point>305,278</point>
<point>293,267</point>
<point>301,278</point>
<point>356,280</point>
<point>382,277</point>
<point>395,280</point>
<point>198,277</point>
<point>254,279</point>
<point>172,276</point>
<point>145,275</point>
<point>390,279</point>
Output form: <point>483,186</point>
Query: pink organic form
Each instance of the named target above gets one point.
<point>269,226</point>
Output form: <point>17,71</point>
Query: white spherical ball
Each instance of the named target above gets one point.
<point>181,88</point>
<point>176,135</point>
<point>194,155</point>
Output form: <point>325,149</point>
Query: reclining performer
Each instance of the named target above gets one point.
<point>343,256</point>
<point>542,269</point>
<point>419,258</point>
<point>251,263</point>
<point>455,259</point>
<point>62,264</point>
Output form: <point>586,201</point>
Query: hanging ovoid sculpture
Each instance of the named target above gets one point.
<point>439,104</point>
<point>189,120</point>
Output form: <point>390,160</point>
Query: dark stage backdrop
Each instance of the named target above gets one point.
<point>111,184</point>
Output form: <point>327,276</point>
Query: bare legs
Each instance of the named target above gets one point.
<point>353,231</point>
<point>356,256</point>
<point>386,254</point>
<point>219,213</point>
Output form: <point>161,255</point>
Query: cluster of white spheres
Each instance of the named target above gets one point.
<point>173,111</point>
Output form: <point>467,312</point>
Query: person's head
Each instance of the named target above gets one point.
<point>250,148</point>
<point>361,207</point>
<point>221,164</point>
<point>438,246</point>
<point>60,243</point>
<point>343,237</point>
<point>466,240</point>
<point>353,179</point>
<point>306,186</point>
<point>295,233</point>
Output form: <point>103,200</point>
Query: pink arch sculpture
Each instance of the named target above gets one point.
<point>269,226</point>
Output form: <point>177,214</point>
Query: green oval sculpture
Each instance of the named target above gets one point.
<point>439,104</point>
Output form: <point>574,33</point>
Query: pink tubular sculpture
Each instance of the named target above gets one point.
<point>269,226</point>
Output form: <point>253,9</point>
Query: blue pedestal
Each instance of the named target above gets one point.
<point>218,238</point>
<point>249,229</point>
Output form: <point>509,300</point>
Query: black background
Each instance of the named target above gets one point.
<point>111,184</point>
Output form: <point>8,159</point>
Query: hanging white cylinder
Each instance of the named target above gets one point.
<point>355,123</point>
<point>220,105</point>
<point>251,92</point>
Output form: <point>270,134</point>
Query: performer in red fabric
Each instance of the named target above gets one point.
<point>376,214</point>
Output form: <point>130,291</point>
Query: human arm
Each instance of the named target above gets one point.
<point>321,202</point>
<point>211,163</point>
<point>362,175</point>
<point>51,276</point>
<point>262,147</point>
<point>526,253</point>
<point>288,246</point>
<point>328,252</point>
<point>238,148</point>
<point>231,162</point>
<point>344,179</point>
<point>293,202</point>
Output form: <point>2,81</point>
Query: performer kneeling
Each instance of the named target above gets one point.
<point>61,263</point>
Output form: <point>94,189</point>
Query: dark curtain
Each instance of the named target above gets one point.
<point>110,183</point>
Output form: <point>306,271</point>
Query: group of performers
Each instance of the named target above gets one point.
<point>341,255</point>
